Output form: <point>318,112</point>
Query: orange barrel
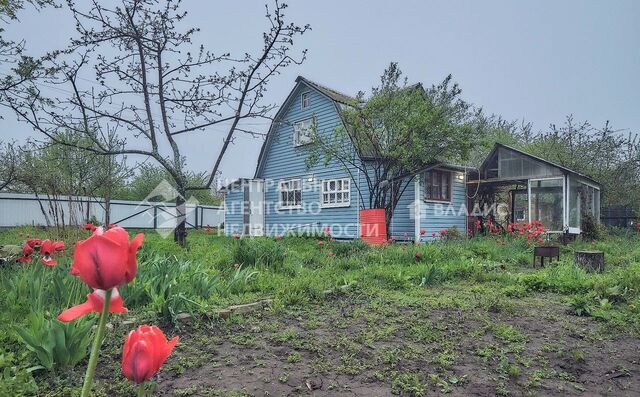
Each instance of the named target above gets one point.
<point>373,228</point>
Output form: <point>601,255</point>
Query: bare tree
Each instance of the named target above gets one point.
<point>11,51</point>
<point>8,165</point>
<point>152,88</point>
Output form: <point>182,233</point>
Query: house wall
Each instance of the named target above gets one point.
<point>437,216</point>
<point>283,160</point>
<point>403,220</point>
<point>233,214</point>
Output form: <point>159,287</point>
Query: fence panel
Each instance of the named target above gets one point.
<point>26,209</point>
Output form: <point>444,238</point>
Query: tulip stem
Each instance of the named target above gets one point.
<point>95,349</point>
<point>141,391</point>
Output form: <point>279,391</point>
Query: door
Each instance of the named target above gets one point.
<point>254,208</point>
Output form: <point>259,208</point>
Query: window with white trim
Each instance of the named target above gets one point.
<point>336,193</point>
<point>305,100</point>
<point>303,132</point>
<point>290,193</point>
<point>437,185</point>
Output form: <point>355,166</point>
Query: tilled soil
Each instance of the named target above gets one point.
<point>436,342</point>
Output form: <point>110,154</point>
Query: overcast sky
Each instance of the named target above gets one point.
<point>538,60</point>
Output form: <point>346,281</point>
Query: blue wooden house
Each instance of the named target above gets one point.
<point>286,195</point>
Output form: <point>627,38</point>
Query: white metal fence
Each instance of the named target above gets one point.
<point>41,210</point>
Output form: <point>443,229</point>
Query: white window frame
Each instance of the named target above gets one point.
<point>305,97</point>
<point>285,186</point>
<point>301,126</point>
<point>345,188</point>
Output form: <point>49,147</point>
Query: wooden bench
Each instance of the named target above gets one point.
<point>548,251</point>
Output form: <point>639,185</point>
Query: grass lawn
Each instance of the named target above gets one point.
<point>467,318</point>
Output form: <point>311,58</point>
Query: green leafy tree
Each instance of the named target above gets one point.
<point>148,177</point>
<point>396,132</point>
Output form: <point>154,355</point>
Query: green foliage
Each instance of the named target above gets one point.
<point>297,271</point>
<point>56,345</point>
<point>15,380</point>
<point>259,252</point>
<point>148,177</point>
<point>397,131</point>
<point>591,229</point>
<point>453,233</point>
<point>168,286</point>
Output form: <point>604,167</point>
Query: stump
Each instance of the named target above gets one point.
<point>590,260</point>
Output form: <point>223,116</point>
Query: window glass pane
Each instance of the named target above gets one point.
<point>547,203</point>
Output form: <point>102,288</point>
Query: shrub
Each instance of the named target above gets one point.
<point>258,252</point>
<point>14,380</point>
<point>591,229</point>
<point>351,248</point>
<point>56,345</point>
<point>451,233</point>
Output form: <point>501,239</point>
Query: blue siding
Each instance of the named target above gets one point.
<point>437,216</point>
<point>233,215</point>
<point>403,220</point>
<point>283,161</point>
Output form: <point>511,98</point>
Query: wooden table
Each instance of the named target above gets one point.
<point>547,251</point>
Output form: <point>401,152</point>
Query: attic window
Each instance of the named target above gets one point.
<point>303,132</point>
<point>304,100</point>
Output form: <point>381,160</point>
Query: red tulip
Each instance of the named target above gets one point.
<point>106,259</point>
<point>423,232</point>
<point>47,249</point>
<point>34,242</point>
<point>321,243</point>
<point>433,234</point>
<point>277,238</point>
<point>443,232</point>
<point>94,303</point>
<point>145,350</point>
<point>89,226</point>
<point>418,255</point>
<point>27,251</point>
<point>405,235</point>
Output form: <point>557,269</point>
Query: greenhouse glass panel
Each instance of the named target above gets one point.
<point>547,206</point>
<point>515,165</point>
<point>575,218</point>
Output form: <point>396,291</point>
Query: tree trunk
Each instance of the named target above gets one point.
<point>107,210</point>
<point>180,233</point>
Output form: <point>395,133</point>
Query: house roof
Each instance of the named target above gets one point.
<point>233,184</point>
<point>335,96</point>
<point>329,92</point>
<point>536,158</point>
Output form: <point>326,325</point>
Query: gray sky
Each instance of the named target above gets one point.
<point>538,61</point>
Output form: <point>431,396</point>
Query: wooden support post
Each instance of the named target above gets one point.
<point>590,260</point>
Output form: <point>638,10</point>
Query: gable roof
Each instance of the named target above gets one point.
<point>536,158</point>
<point>336,97</point>
<point>329,92</point>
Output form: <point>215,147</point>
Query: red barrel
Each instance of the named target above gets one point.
<point>373,228</point>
